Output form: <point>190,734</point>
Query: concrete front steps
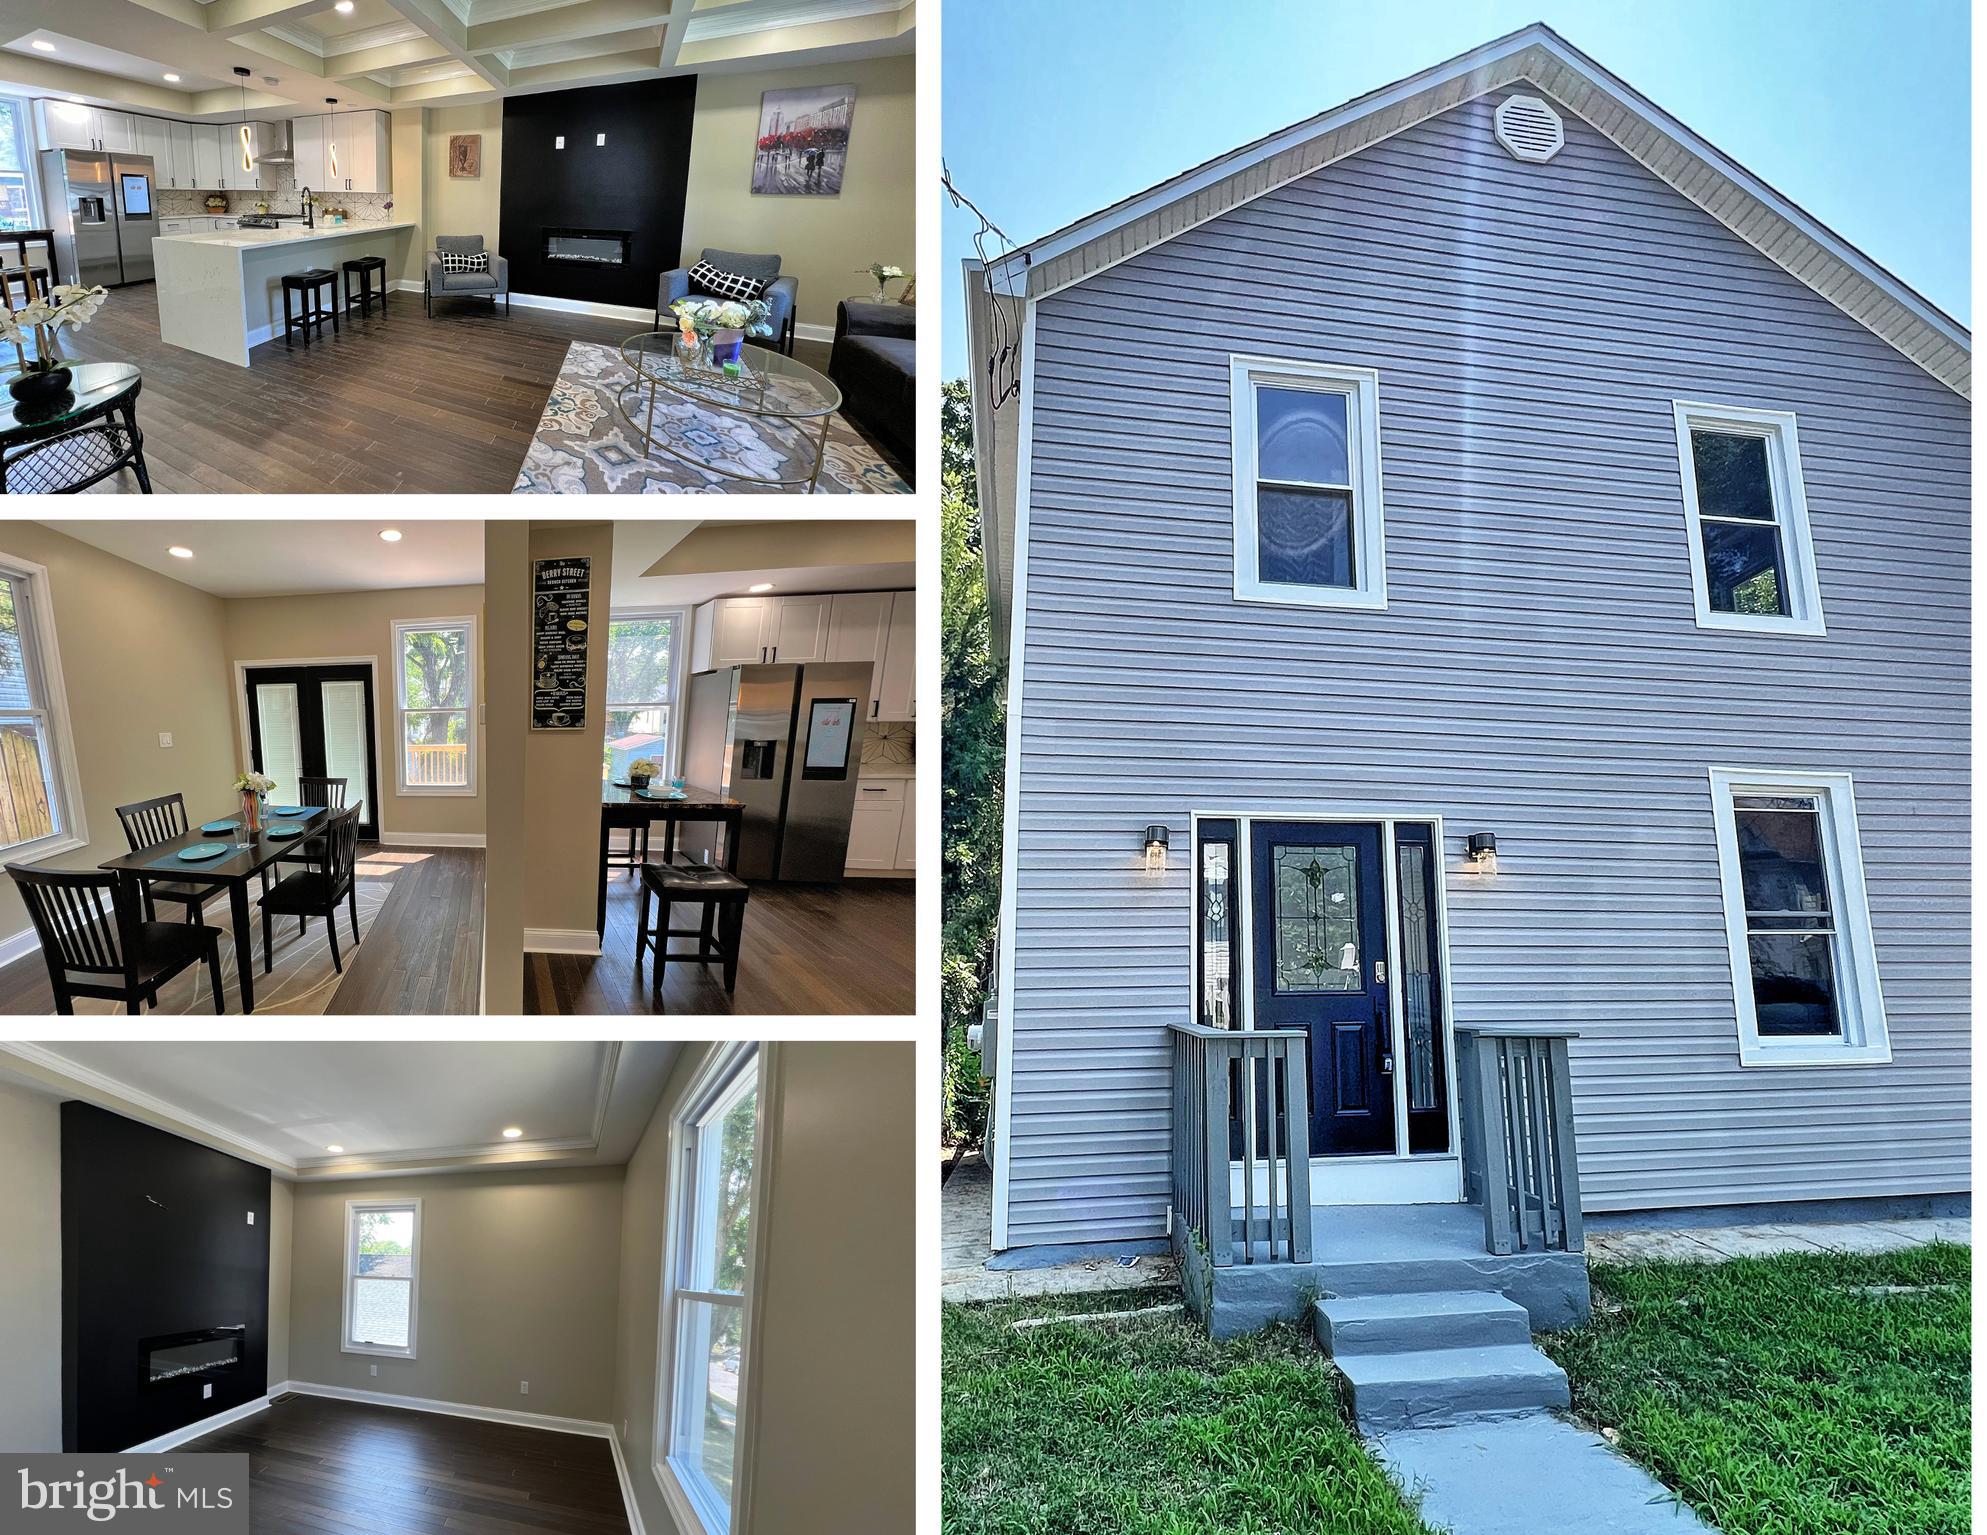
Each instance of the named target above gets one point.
<point>1432,1359</point>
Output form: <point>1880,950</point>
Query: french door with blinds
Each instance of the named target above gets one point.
<point>316,722</point>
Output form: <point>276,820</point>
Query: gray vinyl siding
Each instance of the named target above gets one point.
<point>1537,673</point>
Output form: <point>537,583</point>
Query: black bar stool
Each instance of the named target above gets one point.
<point>316,312</point>
<point>722,897</point>
<point>365,266</point>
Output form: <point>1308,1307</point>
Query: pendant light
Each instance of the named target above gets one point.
<point>244,132</point>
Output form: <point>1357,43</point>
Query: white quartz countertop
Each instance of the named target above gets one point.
<point>284,234</point>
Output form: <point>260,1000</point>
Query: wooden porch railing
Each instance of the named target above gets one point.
<point>440,766</point>
<point>1246,1086</point>
<point>1519,1159</point>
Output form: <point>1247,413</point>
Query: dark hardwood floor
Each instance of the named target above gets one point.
<point>324,1467</point>
<point>847,948</point>
<point>402,404</point>
<point>422,954</point>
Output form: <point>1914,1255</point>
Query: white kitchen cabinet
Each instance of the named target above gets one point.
<point>797,630</point>
<point>209,156</point>
<point>858,622</point>
<point>155,139</point>
<point>307,145</point>
<point>877,825</point>
<point>897,683</point>
<point>730,631</point>
<point>358,152</point>
<point>72,125</point>
<point>907,838</point>
<point>185,163</point>
<point>118,131</point>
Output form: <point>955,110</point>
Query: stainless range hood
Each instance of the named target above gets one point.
<point>272,143</point>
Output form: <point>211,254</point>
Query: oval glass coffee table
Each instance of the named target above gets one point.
<point>787,401</point>
<point>77,438</point>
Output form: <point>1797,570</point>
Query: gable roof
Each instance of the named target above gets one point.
<point>997,294</point>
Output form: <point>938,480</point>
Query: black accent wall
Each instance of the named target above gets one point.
<point>155,1240</point>
<point>635,182</point>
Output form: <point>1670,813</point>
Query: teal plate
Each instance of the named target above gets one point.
<point>220,826</point>
<point>283,831</point>
<point>666,794</point>
<point>202,850</point>
<point>288,809</point>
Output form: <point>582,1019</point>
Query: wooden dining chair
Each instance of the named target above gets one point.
<point>329,792</point>
<point>317,891</point>
<point>97,944</point>
<point>149,823</point>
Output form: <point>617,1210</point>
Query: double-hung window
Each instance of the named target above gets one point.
<point>1804,966</point>
<point>1308,523</point>
<point>1752,563</point>
<point>644,669</point>
<point>40,807</point>
<point>435,683</point>
<point>707,1287</point>
<point>382,1276</point>
<point>17,190</point>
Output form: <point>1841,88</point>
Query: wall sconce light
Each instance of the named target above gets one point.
<point>559,141</point>
<point>1482,850</point>
<point>1156,838</point>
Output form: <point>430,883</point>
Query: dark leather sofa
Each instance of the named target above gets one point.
<point>874,363</point>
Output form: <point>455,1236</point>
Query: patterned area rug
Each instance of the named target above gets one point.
<point>302,980</point>
<point>584,444</point>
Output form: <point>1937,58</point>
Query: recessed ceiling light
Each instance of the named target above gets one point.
<point>760,586</point>
<point>336,1151</point>
<point>511,1132</point>
<point>42,46</point>
<point>180,552</point>
<point>343,7</point>
<point>391,535</point>
<point>173,78</point>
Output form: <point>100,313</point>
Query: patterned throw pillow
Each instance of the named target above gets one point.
<point>456,261</point>
<point>719,283</point>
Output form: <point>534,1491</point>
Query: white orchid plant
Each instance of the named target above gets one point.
<point>705,316</point>
<point>254,783</point>
<point>883,272</point>
<point>38,322</point>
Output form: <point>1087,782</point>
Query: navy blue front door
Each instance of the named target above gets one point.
<point>1320,919</point>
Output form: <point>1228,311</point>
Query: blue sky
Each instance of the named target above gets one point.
<point>1858,112</point>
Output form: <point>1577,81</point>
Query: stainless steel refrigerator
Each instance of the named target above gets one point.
<point>786,741</point>
<point>104,212</point>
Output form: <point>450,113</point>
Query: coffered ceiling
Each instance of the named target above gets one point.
<point>387,1107</point>
<point>406,53</point>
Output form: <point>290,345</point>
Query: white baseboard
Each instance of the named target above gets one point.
<point>546,1421</point>
<point>431,839</point>
<point>645,314</point>
<point>814,332</point>
<point>627,1485</point>
<point>180,1436</point>
<point>23,942</point>
<point>561,940</point>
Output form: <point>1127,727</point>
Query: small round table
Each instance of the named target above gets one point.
<point>773,390</point>
<point>70,443</point>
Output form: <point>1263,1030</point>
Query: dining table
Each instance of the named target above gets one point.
<point>244,858</point>
<point>629,809</point>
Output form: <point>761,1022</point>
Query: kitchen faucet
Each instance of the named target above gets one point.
<point>310,215</point>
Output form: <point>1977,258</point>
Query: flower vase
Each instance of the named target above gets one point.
<point>882,293</point>
<point>691,351</point>
<point>251,812</point>
<point>44,380</point>
<point>727,346</point>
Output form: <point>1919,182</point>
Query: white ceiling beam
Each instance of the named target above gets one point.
<point>363,61</point>
<point>231,18</point>
<point>441,24</point>
<point>600,69</point>
<point>567,23</point>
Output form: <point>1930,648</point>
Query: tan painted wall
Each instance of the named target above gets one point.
<point>507,670</point>
<point>361,624</point>
<point>139,656</point>
<point>518,1282</point>
<point>410,143</point>
<point>466,206</point>
<point>30,1271</point>
<point>836,1354</point>
<point>824,241</point>
<point>562,767</point>
<point>282,1231</point>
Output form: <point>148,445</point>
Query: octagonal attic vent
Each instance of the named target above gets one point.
<point>1529,128</point>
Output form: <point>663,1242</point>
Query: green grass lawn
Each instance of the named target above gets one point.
<point>1124,1428</point>
<point>1805,1394</point>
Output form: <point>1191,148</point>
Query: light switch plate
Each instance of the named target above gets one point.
<point>251,1217</point>
<point>524,1388</point>
<point>165,738</point>
<point>206,1390</point>
<point>375,1369</point>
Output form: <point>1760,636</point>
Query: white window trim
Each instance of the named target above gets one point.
<point>678,661</point>
<point>348,1257</point>
<point>720,1070</point>
<point>1865,1037</point>
<point>1361,386</point>
<point>40,653</point>
<point>401,628</point>
<point>30,140</point>
<point>1790,511</point>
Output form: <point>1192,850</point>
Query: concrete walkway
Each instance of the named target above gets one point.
<point>1531,1475</point>
<point>1714,1244</point>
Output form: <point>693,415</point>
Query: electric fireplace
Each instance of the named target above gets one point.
<point>205,1354</point>
<point>589,247</point>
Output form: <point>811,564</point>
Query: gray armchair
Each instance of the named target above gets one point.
<point>449,284</point>
<point>781,297</point>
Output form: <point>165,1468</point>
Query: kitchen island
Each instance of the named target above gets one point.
<point>221,294</point>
